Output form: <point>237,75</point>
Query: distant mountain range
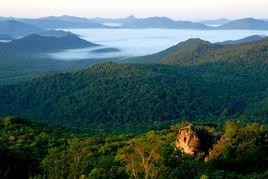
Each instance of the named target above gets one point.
<point>110,20</point>
<point>247,24</point>
<point>37,43</point>
<point>17,29</point>
<point>160,22</point>
<point>65,22</point>
<point>151,22</point>
<point>215,22</point>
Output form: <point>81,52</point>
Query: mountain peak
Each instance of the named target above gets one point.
<point>195,41</point>
<point>131,17</point>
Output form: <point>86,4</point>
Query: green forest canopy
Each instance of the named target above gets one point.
<point>30,149</point>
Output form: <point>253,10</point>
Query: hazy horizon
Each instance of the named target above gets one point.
<point>176,9</point>
<point>139,17</point>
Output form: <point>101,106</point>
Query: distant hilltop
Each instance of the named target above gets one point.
<point>37,43</point>
<point>67,22</point>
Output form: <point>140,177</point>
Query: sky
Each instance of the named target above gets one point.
<point>176,9</point>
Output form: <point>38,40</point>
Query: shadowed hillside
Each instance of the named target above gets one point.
<point>37,43</point>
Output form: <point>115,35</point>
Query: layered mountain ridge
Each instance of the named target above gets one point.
<point>198,81</point>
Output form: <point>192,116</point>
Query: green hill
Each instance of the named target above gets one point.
<point>124,98</point>
<point>183,47</point>
<point>197,51</point>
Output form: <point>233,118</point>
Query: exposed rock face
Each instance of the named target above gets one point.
<point>192,140</point>
<point>188,140</point>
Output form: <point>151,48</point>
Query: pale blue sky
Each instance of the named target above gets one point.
<point>176,9</point>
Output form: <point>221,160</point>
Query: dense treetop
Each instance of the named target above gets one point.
<point>30,149</point>
<point>148,96</point>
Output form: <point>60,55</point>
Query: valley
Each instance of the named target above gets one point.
<point>135,97</point>
<point>125,43</point>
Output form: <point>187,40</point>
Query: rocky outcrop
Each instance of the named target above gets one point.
<point>192,140</point>
<point>188,140</point>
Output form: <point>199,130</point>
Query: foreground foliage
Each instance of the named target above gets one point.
<point>33,150</point>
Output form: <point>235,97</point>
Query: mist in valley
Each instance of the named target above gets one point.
<point>138,42</point>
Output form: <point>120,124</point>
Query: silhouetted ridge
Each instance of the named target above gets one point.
<point>247,23</point>
<point>38,43</point>
<point>17,29</point>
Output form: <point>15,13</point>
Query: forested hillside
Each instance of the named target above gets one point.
<point>135,98</point>
<point>197,51</point>
<point>200,52</point>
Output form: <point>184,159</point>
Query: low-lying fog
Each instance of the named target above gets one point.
<point>85,53</point>
<point>137,42</point>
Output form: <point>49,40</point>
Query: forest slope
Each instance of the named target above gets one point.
<point>148,96</point>
<point>197,51</point>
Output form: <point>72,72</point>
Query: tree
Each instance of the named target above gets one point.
<point>71,162</point>
<point>142,156</point>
